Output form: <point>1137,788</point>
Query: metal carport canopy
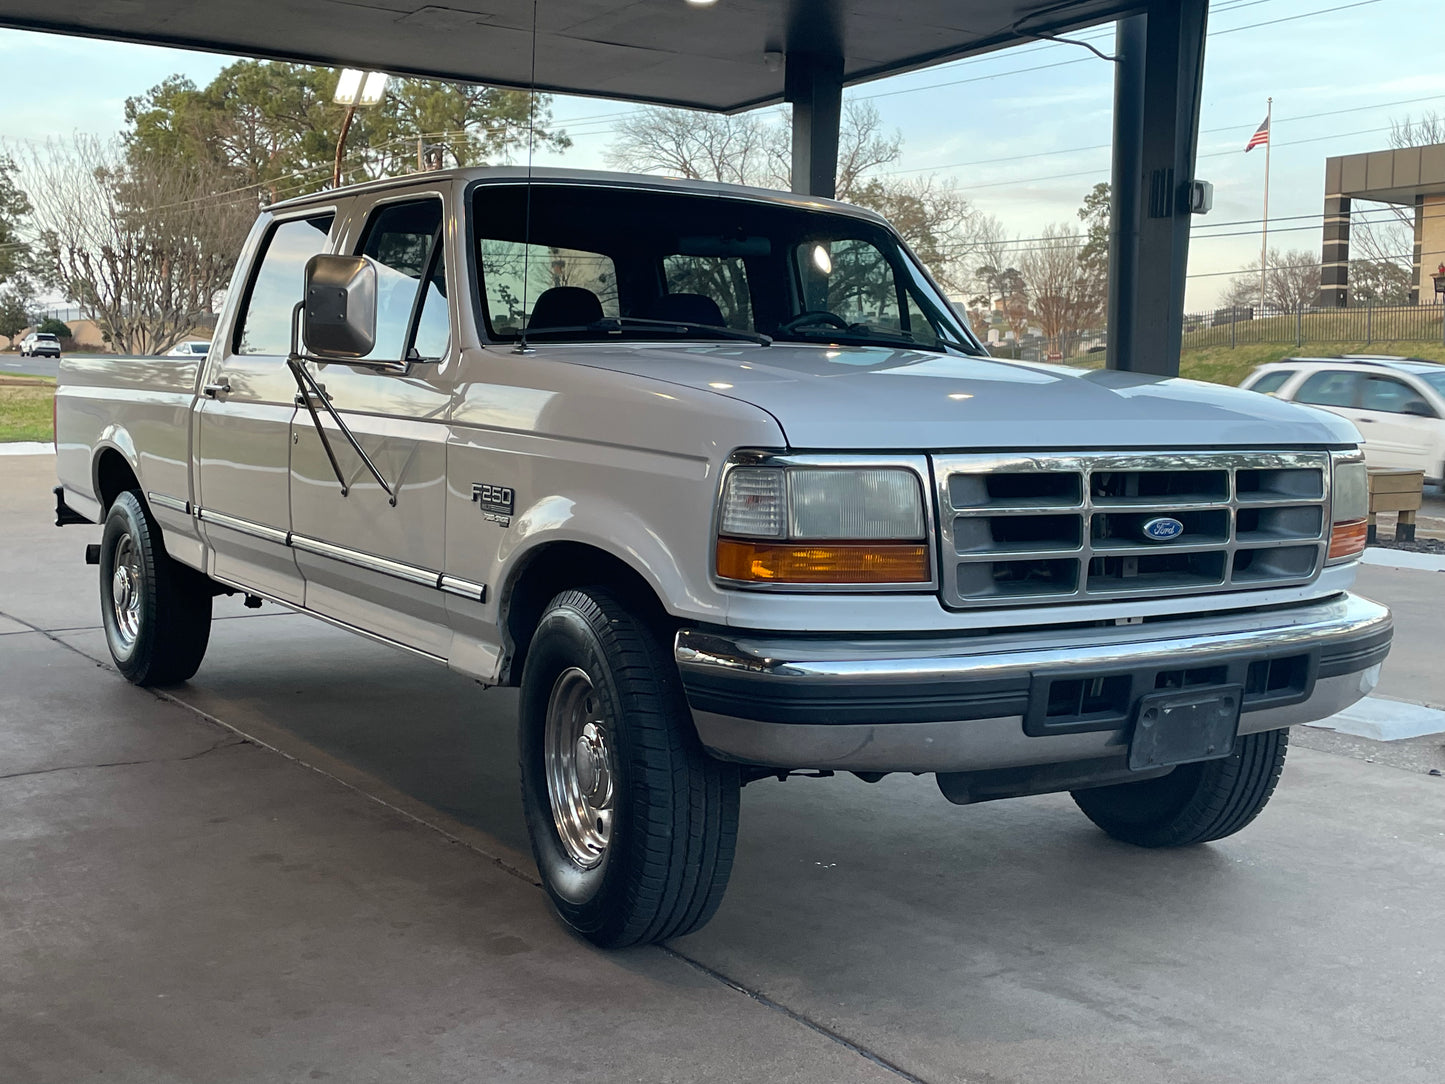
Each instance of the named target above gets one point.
<point>733,54</point>
<point>666,51</point>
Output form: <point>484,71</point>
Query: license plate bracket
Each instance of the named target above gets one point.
<point>1182,726</point>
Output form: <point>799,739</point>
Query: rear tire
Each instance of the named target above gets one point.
<point>1195,803</point>
<point>633,824</point>
<point>156,611</point>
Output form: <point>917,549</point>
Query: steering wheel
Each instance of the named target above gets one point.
<point>814,316</point>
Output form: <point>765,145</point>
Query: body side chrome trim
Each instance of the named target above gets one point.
<point>175,504</point>
<point>455,585</point>
<point>244,526</point>
<point>425,577</point>
<point>384,566</point>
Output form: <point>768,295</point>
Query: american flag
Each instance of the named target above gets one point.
<point>1260,137</point>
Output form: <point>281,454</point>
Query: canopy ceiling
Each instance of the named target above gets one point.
<point>665,51</point>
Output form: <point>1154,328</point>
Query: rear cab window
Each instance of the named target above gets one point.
<point>515,274</point>
<point>404,239</point>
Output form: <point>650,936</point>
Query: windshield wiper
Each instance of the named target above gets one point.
<point>615,325</point>
<point>862,335</point>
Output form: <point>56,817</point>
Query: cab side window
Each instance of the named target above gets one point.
<point>1388,395</point>
<point>277,284</point>
<point>1330,388</point>
<point>412,322</point>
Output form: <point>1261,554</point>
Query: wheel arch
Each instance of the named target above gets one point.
<point>112,473</point>
<point>550,568</point>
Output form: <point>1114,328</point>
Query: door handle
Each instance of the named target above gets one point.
<point>1365,421</point>
<point>211,391</point>
<point>309,393</point>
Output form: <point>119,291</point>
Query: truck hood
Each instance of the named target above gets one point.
<point>869,397</point>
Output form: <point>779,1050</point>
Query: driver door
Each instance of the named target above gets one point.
<point>371,559</point>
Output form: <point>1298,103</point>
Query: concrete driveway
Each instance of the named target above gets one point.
<point>309,863</point>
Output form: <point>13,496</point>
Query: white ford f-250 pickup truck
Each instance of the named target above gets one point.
<point>719,479</point>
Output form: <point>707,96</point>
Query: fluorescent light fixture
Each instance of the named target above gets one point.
<point>356,87</point>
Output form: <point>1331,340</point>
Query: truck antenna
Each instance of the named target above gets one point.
<point>522,347</point>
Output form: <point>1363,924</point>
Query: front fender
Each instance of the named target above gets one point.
<point>607,526</point>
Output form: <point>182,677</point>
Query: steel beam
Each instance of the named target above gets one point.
<point>1157,84</point>
<point>813,83</point>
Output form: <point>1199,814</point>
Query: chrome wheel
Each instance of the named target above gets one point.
<point>125,589</point>
<point>579,768</point>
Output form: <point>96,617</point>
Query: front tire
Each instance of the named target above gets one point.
<point>1195,803</point>
<point>156,611</point>
<point>633,824</point>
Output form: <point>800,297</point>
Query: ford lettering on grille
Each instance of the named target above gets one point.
<point>1163,529</point>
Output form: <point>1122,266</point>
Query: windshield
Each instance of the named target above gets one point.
<point>600,263</point>
<point>47,338</point>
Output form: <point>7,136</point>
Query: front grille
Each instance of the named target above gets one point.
<point>1024,529</point>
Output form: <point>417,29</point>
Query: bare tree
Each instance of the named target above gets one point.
<point>142,246</point>
<point>1067,300</point>
<point>1429,129</point>
<point>1381,261</point>
<point>934,219</point>
<point>738,149</point>
<point>1293,281</point>
<point>996,284</point>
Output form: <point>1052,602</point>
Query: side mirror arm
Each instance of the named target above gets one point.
<point>310,393</point>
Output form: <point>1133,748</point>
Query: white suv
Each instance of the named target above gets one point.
<point>37,343</point>
<point>1398,403</point>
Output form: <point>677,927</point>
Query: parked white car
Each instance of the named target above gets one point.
<point>1398,403</point>
<point>190,348</point>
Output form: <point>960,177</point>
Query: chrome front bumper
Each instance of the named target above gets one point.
<point>992,700</point>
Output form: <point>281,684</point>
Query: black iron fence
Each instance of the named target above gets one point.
<point>1362,324</point>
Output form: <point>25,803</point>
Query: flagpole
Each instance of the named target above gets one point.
<point>1264,231</point>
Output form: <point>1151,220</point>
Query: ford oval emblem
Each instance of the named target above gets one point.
<point>1162,529</point>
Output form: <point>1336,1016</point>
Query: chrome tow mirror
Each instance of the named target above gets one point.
<point>338,317</point>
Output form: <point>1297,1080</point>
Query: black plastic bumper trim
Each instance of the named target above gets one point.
<point>1356,655</point>
<point>779,702</point>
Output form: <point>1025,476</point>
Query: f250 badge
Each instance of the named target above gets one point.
<point>496,502</point>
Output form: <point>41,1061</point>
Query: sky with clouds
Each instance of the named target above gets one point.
<point>1024,132</point>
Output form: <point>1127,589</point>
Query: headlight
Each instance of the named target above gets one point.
<point>1349,506</point>
<point>822,525</point>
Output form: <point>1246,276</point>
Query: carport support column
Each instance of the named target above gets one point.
<point>813,83</point>
<point>1157,85</point>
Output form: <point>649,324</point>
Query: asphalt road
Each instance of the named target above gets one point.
<point>14,363</point>
<point>179,904</point>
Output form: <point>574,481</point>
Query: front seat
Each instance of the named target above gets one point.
<point>687,309</point>
<point>565,306</point>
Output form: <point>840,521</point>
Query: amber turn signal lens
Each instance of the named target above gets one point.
<point>1348,539</point>
<point>832,562</point>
